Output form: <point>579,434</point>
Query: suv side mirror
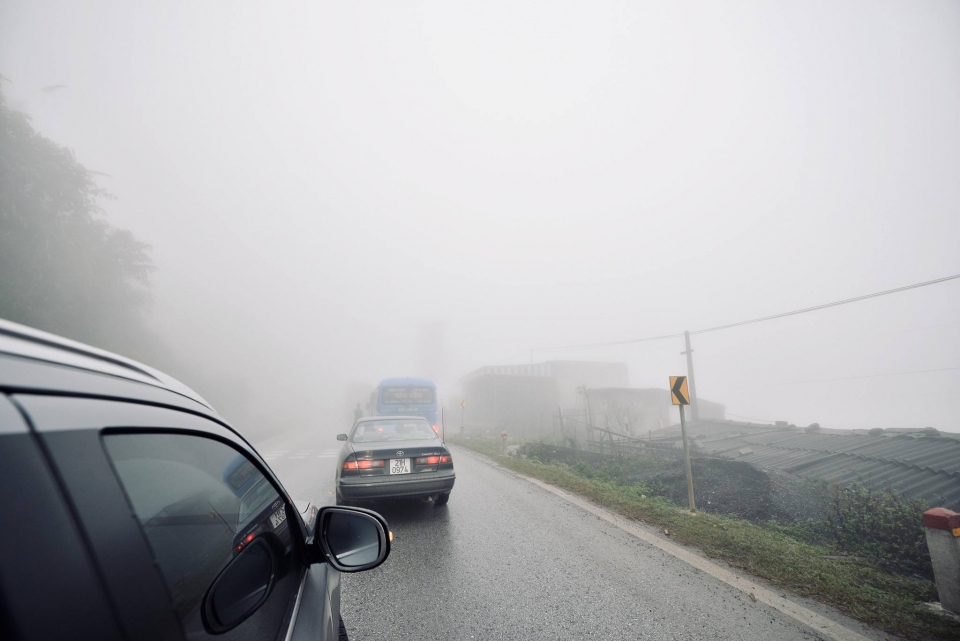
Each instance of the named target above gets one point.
<point>341,437</point>
<point>241,588</point>
<point>352,539</point>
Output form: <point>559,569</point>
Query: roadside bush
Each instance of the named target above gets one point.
<point>815,532</point>
<point>882,526</point>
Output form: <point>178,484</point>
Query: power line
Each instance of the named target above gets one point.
<point>588,346</point>
<point>510,358</point>
<point>750,418</point>
<point>611,343</point>
<point>826,305</point>
<point>850,378</point>
<point>804,310</point>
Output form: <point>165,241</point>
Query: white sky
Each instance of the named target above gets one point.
<point>337,192</point>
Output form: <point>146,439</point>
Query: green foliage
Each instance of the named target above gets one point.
<point>65,270</point>
<point>881,526</point>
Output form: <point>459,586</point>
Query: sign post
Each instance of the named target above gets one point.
<point>463,406</point>
<point>680,396</point>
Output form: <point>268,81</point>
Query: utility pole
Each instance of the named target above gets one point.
<point>695,410</point>
<point>686,459</point>
<point>586,405</point>
<point>680,395</point>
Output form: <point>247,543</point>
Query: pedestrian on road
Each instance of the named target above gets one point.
<point>357,413</point>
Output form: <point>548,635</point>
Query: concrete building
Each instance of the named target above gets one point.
<point>524,398</point>
<point>636,412</point>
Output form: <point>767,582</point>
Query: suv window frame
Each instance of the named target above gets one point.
<point>298,552</point>
<point>71,431</point>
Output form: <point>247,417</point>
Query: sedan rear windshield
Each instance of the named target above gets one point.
<point>393,430</point>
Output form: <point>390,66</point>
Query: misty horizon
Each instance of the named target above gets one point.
<point>335,195</point>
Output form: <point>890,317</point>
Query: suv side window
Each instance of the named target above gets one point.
<point>199,503</point>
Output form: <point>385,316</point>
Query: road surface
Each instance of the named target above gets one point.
<point>506,559</point>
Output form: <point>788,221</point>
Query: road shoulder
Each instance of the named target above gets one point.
<point>817,618</point>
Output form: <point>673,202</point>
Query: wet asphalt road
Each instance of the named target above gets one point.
<point>508,560</point>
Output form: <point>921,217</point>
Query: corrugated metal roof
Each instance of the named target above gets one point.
<point>918,465</point>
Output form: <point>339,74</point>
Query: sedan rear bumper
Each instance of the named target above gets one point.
<point>396,487</point>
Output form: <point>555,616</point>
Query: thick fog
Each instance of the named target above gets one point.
<point>339,192</point>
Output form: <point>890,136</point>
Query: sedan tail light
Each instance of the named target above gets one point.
<point>363,464</point>
<point>446,459</point>
<point>427,460</point>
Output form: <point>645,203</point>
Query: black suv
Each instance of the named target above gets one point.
<point>131,510</point>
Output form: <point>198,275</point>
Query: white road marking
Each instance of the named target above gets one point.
<point>327,456</point>
<point>809,619</point>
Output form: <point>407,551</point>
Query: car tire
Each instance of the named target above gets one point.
<point>442,499</point>
<point>343,632</point>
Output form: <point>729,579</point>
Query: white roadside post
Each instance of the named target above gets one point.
<point>943,540</point>
<point>680,396</point>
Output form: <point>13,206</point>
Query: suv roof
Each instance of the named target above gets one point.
<point>39,362</point>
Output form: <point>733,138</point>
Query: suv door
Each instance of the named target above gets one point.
<point>171,502</point>
<point>49,587</point>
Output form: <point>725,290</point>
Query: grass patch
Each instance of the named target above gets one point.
<point>858,588</point>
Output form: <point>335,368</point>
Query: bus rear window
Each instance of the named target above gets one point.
<point>407,396</point>
<point>238,478</point>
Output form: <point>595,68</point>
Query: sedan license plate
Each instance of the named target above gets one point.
<point>278,517</point>
<point>399,466</point>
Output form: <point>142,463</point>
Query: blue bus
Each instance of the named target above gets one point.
<point>402,396</point>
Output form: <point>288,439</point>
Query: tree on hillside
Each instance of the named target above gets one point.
<point>63,268</point>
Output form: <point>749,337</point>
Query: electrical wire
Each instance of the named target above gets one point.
<point>610,343</point>
<point>510,358</point>
<point>851,378</point>
<point>846,301</point>
<point>804,310</point>
<point>749,418</point>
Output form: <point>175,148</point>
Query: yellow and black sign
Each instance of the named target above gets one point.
<point>678,390</point>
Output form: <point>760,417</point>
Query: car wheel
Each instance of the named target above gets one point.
<point>442,499</point>
<point>343,632</point>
